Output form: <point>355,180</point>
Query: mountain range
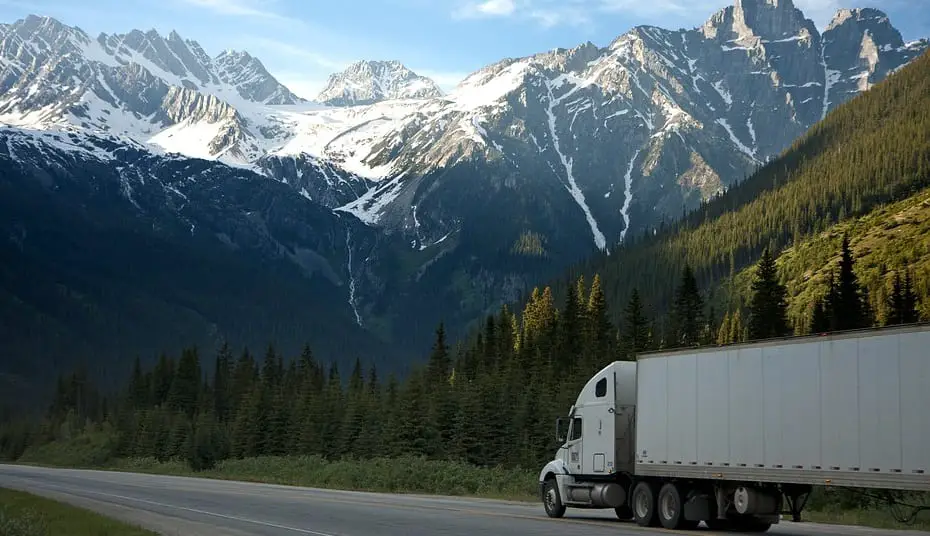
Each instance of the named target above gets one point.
<point>150,186</point>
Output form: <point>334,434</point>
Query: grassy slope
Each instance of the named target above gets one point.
<point>882,241</point>
<point>24,514</point>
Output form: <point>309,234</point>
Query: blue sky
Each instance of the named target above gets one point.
<point>303,41</point>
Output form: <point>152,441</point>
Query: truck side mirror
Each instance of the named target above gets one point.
<point>560,434</point>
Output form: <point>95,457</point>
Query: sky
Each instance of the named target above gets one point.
<point>302,42</point>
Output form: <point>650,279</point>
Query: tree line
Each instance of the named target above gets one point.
<point>531,365</point>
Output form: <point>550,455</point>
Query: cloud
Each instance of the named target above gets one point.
<point>552,13</point>
<point>487,8</point>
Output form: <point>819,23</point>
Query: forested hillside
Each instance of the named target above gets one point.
<point>873,150</point>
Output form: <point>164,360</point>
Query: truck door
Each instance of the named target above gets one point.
<point>575,446</point>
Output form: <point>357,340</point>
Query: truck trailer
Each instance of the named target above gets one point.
<point>735,436</point>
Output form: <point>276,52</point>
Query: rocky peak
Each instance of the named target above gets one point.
<point>855,24</point>
<point>367,82</point>
<point>766,20</point>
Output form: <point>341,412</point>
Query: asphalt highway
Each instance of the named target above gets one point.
<point>200,507</point>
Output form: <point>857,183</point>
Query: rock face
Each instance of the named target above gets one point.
<point>445,205</point>
<point>368,82</point>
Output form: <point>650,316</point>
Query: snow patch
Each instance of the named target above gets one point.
<point>572,186</point>
<point>740,145</point>
<point>628,195</point>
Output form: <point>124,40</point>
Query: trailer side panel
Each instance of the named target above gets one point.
<point>848,409</point>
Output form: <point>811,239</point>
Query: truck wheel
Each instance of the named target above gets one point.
<point>671,508</point>
<point>644,505</point>
<point>552,502</point>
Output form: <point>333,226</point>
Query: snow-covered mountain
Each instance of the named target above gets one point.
<point>368,82</point>
<point>466,198</point>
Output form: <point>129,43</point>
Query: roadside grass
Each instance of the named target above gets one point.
<point>389,475</point>
<point>24,514</point>
<point>880,519</point>
<point>86,450</point>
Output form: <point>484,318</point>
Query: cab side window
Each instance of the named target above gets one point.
<point>600,390</point>
<point>576,429</point>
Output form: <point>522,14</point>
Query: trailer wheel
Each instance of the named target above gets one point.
<point>552,502</point>
<point>644,505</point>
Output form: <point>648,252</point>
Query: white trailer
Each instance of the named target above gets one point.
<point>730,435</point>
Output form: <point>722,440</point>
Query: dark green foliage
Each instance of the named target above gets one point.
<point>848,305</point>
<point>768,310</point>
<point>636,326</point>
<point>687,312</point>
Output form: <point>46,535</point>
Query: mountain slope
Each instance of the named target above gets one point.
<point>869,151</point>
<point>112,252</point>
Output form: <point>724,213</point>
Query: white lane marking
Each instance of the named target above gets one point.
<point>193,510</point>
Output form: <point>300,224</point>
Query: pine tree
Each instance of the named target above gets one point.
<point>635,326</point>
<point>138,387</point>
<point>768,310</point>
<point>849,310</point>
<point>738,332</point>
<point>909,311</point>
<point>439,360</point>
<point>222,394</point>
<point>687,312</point>
<point>723,333</point>
<point>599,326</point>
<point>185,388</point>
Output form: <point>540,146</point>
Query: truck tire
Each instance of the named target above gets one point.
<point>670,508</point>
<point>552,501</point>
<point>643,502</point>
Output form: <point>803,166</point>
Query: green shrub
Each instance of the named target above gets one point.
<point>89,449</point>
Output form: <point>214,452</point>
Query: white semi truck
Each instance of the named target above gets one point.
<point>731,435</point>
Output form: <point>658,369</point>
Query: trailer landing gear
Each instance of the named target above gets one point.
<point>796,496</point>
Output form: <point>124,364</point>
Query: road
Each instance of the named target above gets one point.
<point>196,507</point>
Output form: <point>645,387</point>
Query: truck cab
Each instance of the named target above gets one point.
<point>592,467</point>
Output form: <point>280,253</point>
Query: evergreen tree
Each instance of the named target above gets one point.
<point>599,326</point>
<point>723,333</point>
<point>439,360</point>
<point>768,310</point>
<point>687,312</point>
<point>635,326</point>
<point>909,311</point>
<point>185,388</point>
<point>820,317</point>
<point>849,309</point>
<point>902,306</point>
<point>222,389</point>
